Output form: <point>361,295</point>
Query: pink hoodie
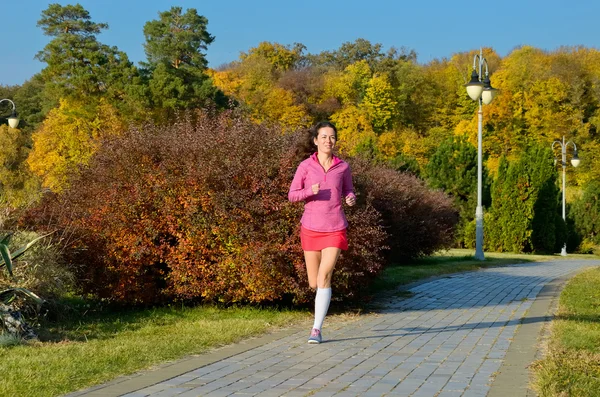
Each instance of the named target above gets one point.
<point>322,212</point>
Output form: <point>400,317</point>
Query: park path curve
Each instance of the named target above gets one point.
<point>452,337</point>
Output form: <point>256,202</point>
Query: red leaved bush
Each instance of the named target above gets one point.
<point>199,211</point>
<point>418,221</point>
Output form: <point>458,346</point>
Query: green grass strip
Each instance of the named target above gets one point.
<point>102,349</point>
<point>571,366</point>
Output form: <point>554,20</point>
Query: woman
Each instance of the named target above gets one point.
<point>321,181</point>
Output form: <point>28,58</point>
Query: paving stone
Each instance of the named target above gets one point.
<point>173,391</point>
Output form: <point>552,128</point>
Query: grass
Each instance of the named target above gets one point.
<point>85,350</point>
<point>100,348</point>
<point>571,366</point>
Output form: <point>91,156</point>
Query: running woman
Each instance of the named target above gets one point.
<point>322,181</point>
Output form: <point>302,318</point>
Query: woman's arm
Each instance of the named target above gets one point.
<point>298,191</point>
<point>347,186</point>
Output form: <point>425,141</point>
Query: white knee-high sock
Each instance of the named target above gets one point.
<point>321,306</point>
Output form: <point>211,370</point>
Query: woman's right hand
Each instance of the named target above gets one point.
<point>315,188</point>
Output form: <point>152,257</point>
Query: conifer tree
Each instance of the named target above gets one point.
<point>585,212</point>
<point>78,65</point>
<point>176,63</point>
<point>525,204</point>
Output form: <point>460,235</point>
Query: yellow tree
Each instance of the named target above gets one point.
<point>252,81</point>
<point>444,79</point>
<point>413,93</point>
<point>68,138</point>
<point>389,145</point>
<point>506,116</point>
<point>279,56</point>
<point>350,85</point>
<point>17,185</point>
<point>278,105</point>
<point>336,86</point>
<point>355,130</point>
<point>446,93</point>
<point>379,102</point>
<point>229,81</point>
<point>348,88</point>
<point>543,96</point>
<point>419,146</point>
<point>577,69</point>
<point>549,111</point>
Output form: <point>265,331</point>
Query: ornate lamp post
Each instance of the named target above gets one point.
<point>13,120</point>
<point>575,162</point>
<point>483,92</point>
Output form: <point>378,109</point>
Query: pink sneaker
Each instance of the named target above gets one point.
<point>315,337</point>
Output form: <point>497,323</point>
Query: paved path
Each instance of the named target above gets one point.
<point>456,336</point>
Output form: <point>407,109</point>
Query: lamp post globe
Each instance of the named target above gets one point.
<point>575,160</point>
<point>474,87</point>
<point>13,120</point>
<point>489,92</point>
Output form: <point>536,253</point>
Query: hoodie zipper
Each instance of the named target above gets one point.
<point>326,172</point>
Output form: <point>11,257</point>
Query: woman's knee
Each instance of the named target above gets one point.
<point>324,280</point>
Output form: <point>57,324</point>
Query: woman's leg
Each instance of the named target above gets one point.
<point>312,259</point>
<point>329,257</point>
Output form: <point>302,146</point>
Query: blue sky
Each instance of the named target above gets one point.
<point>434,29</point>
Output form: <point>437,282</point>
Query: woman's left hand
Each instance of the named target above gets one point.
<point>350,200</point>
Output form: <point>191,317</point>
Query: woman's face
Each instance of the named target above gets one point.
<point>325,140</point>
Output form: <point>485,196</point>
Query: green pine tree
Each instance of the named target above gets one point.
<point>79,66</point>
<point>176,63</point>
<point>524,204</point>
<point>585,213</point>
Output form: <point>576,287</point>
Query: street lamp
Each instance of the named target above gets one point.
<point>13,120</point>
<point>482,91</point>
<point>575,162</point>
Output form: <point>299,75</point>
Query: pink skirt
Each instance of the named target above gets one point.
<point>316,241</point>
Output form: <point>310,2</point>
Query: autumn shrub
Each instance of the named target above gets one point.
<point>199,210</point>
<point>418,221</point>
